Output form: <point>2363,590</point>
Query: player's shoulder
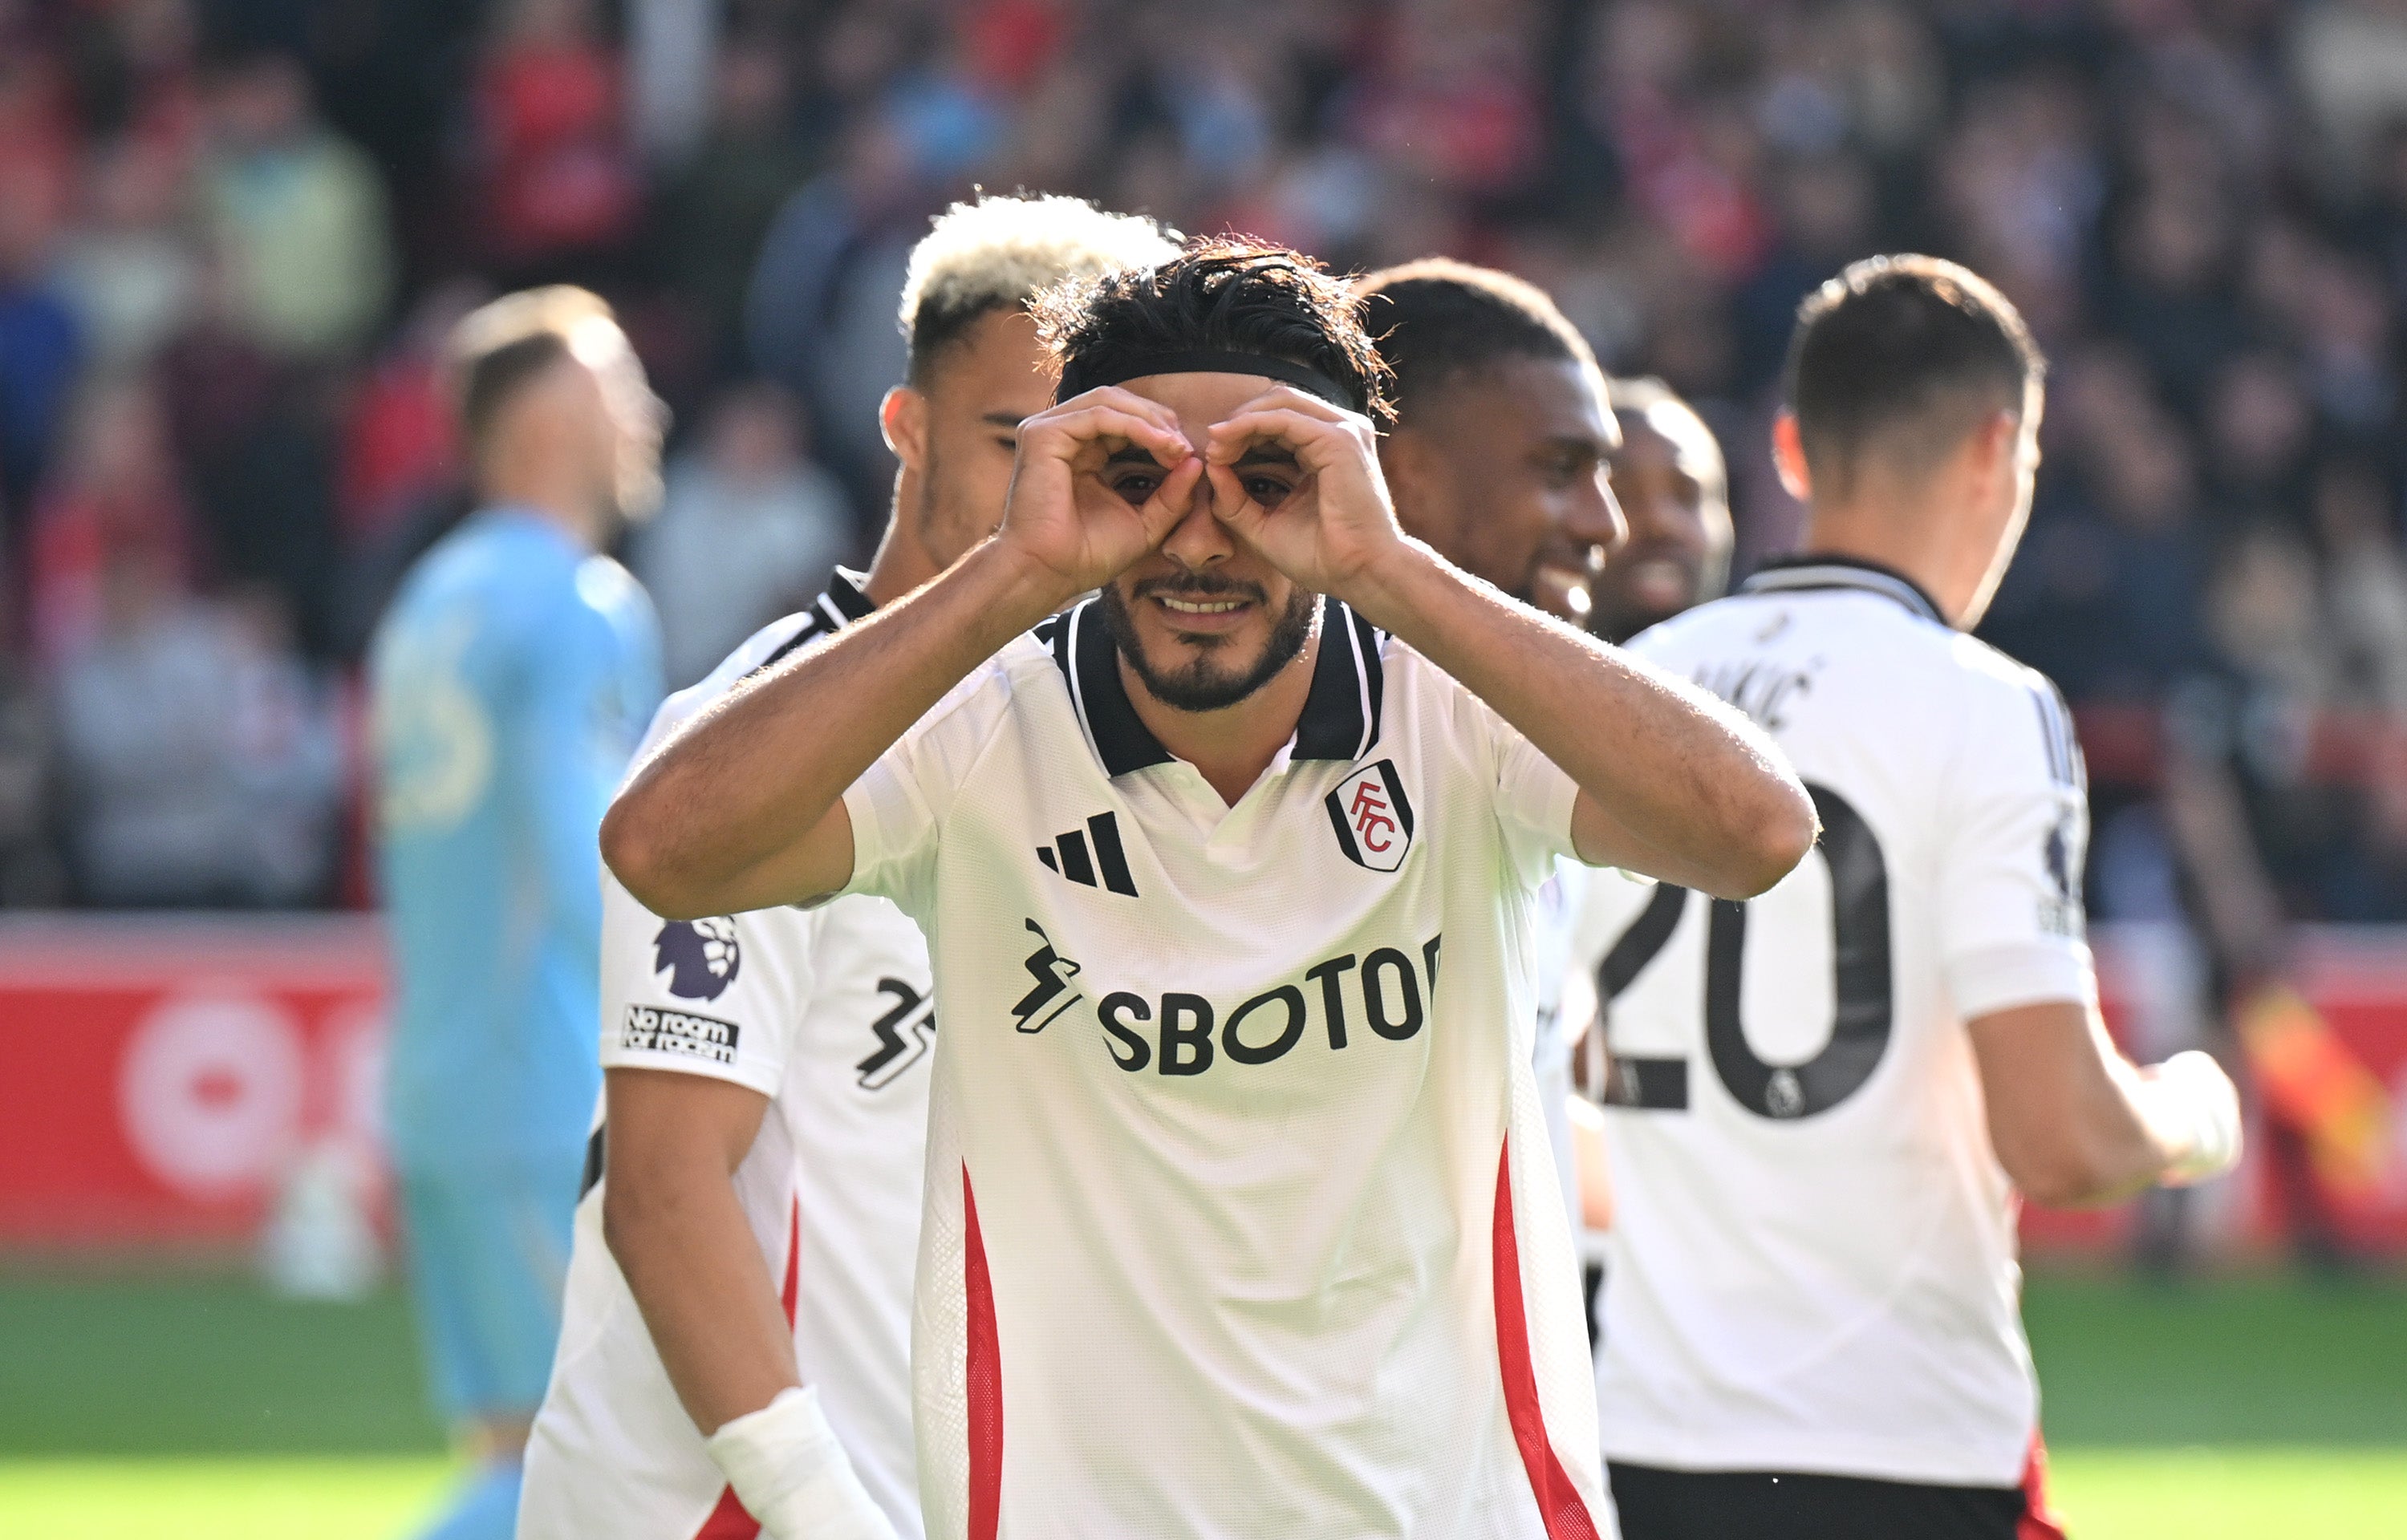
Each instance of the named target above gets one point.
<point>757,651</point>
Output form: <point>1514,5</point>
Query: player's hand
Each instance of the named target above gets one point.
<point>1298,480</point>
<point>1101,480</point>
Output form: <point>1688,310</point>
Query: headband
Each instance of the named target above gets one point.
<point>1079,376</point>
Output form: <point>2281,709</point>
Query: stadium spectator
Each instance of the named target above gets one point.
<point>551,149</point>
<point>41,344</point>
<point>749,529</point>
<point>295,213</point>
<point>130,267</point>
<point>204,760</point>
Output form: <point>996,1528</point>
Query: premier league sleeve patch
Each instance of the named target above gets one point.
<point>701,957</point>
<point>1373,817</point>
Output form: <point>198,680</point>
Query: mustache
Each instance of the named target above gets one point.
<point>1200,586</point>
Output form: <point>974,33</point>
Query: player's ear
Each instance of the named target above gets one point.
<point>903,421</point>
<point>1788,457</point>
<point>1408,462</point>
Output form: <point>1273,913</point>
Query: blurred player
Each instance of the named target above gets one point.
<point>745,1265</point>
<point>1674,495</point>
<point>509,679</point>
<point>1498,458</point>
<point>1824,1100</point>
<point>1668,476</point>
<point>1228,895</point>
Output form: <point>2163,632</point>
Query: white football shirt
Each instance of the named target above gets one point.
<point>1241,1212</point>
<point>829,1014</point>
<point>1812,1262</point>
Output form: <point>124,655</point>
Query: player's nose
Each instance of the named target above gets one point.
<point>1592,516</point>
<point>1198,539</point>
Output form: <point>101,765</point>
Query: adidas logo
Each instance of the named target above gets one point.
<point>1075,862</point>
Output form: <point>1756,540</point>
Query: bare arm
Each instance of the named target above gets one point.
<point>1672,783</point>
<point>743,808</point>
<point>670,1216</point>
<point>2075,1123</point>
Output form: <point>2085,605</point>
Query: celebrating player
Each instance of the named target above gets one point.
<point>508,679</point>
<point>768,1073</point>
<point>1227,890</point>
<point>1674,494</point>
<point>1498,460</point>
<point>1824,1099</point>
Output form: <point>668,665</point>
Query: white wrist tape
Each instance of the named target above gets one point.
<point>2199,1098</point>
<point>792,1475</point>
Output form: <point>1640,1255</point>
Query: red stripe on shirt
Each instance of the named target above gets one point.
<point>1560,1503</point>
<point>729,1520</point>
<point>984,1373</point>
<point>2037,1522</point>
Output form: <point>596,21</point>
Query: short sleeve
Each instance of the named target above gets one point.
<point>718,997</point>
<point>899,805</point>
<point>2015,823</point>
<point>1532,797</point>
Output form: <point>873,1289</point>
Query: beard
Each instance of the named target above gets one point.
<point>1204,684</point>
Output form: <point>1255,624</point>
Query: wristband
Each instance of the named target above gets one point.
<point>792,1475</point>
<point>2200,1097</point>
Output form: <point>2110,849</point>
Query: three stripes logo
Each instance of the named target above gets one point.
<point>1373,817</point>
<point>1069,856</point>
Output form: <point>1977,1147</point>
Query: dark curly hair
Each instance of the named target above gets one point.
<point>1222,294</point>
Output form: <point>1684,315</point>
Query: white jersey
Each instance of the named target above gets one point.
<point>1812,1262</point>
<point>829,1014</point>
<point>1241,1213</point>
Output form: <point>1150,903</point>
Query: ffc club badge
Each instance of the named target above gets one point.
<point>1373,816</point>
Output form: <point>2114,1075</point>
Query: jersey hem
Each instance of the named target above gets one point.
<point>1871,1460</point>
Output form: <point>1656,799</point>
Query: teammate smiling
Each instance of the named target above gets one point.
<point>1222,1236</point>
<point>1824,1100</point>
<point>1497,459</point>
<point>745,1268</point>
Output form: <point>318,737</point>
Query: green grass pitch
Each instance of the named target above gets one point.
<point>2250,1409</point>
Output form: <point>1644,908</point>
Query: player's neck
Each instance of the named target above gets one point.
<point>1231,747</point>
<point>550,499</point>
<point>1916,539</point>
<point>902,563</point>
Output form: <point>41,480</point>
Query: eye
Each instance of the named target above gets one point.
<point>1134,483</point>
<point>1267,490</point>
<point>1007,443</point>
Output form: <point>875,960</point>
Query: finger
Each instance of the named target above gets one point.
<point>1172,501</point>
<point>1121,399</point>
<point>1318,443</point>
<point>1067,433</point>
<point>1230,504</point>
<point>1299,400</point>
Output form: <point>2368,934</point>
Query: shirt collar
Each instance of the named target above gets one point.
<point>843,601</point>
<point>1340,710</point>
<point>1820,570</point>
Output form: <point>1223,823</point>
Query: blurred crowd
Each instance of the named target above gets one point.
<point>232,234</point>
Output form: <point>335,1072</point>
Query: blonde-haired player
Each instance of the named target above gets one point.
<point>736,1355</point>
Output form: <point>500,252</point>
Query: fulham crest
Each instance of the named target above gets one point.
<point>1373,816</point>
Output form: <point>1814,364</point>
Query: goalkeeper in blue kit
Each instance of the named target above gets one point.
<point>509,681</point>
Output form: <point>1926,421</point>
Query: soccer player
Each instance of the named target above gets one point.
<point>1227,890</point>
<point>1675,493</point>
<point>1497,459</point>
<point>1824,1100</point>
<point>744,1267</point>
<point>509,679</point>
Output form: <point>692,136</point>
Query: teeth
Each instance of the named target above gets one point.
<point>1190,606</point>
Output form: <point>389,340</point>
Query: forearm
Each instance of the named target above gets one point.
<point>697,1274</point>
<point>713,822</point>
<point>1687,789</point>
<point>2075,1123</point>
